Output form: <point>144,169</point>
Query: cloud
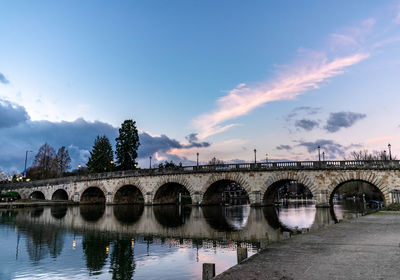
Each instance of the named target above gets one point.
<point>3,79</point>
<point>284,147</point>
<point>150,145</point>
<point>78,136</point>
<point>342,119</point>
<point>397,18</point>
<point>331,149</point>
<point>306,124</point>
<point>193,142</point>
<point>243,99</point>
<point>18,133</point>
<point>11,114</point>
<point>302,110</point>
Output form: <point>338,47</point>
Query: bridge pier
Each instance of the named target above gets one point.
<point>148,198</point>
<point>255,198</point>
<point>109,198</point>
<point>322,199</point>
<point>196,198</point>
<point>75,197</point>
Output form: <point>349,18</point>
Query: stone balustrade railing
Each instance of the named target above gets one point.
<point>260,166</point>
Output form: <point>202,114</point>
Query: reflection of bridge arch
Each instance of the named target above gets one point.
<point>171,216</point>
<point>231,218</point>
<point>270,186</point>
<point>92,213</point>
<point>93,194</point>
<point>128,214</point>
<point>358,177</point>
<point>220,177</point>
<point>179,183</point>
<point>58,212</point>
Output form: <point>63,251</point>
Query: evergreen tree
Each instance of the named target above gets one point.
<point>101,157</point>
<point>127,145</point>
<point>63,161</point>
<point>45,162</point>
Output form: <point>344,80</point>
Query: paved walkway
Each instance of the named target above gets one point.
<point>364,248</point>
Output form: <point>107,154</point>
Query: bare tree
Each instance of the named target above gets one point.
<point>361,155</point>
<point>63,161</point>
<point>215,161</point>
<point>45,162</point>
<point>365,155</point>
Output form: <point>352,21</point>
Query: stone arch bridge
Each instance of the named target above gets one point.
<point>258,179</point>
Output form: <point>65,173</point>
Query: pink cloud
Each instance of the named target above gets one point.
<point>243,99</point>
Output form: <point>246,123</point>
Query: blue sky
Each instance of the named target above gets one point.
<point>279,77</point>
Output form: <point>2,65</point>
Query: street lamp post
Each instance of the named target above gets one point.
<point>323,156</point>
<point>150,162</point>
<point>384,155</point>
<point>266,158</point>
<point>197,154</point>
<point>26,159</point>
<point>390,151</point>
<point>255,156</point>
<point>319,153</point>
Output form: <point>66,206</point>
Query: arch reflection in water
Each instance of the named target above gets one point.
<point>58,212</point>
<point>230,218</point>
<point>171,215</point>
<point>92,213</point>
<point>128,214</point>
<point>37,212</point>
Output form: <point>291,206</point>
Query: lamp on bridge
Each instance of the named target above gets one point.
<point>150,162</point>
<point>319,153</point>
<point>255,156</point>
<point>197,154</point>
<point>390,151</point>
<point>323,156</point>
<point>266,157</point>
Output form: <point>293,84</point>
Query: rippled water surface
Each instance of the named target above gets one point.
<point>144,242</point>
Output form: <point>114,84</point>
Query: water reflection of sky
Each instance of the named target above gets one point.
<point>300,217</point>
<point>237,216</point>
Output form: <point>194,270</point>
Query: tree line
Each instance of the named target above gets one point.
<point>51,164</point>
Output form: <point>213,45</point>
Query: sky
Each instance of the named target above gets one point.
<point>218,78</point>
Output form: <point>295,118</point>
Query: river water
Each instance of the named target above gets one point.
<point>146,242</point>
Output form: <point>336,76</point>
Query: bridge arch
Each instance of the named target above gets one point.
<point>37,195</point>
<point>128,194</point>
<point>361,176</point>
<point>271,184</point>
<point>93,194</point>
<point>130,188</point>
<point>60,194</point>
<point>171,186</point>
<point>215,182</point>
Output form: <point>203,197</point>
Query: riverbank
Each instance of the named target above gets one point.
<point>363,248</point>
<point>34,203</point>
